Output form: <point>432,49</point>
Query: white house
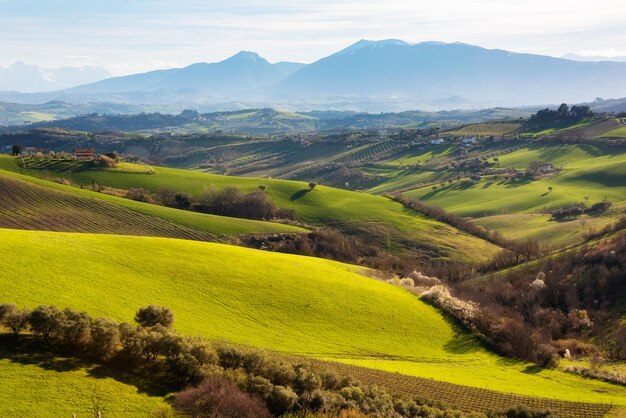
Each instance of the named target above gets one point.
<point>437,141</point>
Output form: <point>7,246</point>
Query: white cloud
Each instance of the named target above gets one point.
<point>130,36</point>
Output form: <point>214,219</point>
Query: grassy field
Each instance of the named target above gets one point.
<point>615,133</point>
<point>486,129</point>
<point>357,213</point>
<point>515,208</point>
<point>42,386</point>
<point>292,304</point>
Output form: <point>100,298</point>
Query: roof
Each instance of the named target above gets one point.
<point>84,151</point>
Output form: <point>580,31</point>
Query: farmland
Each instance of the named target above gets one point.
<point>588,174</point>
<point>356,213</point>
<point>291,304</point>
<point>30,203</point>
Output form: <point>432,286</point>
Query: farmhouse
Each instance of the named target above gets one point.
<point>29,151</point>
<point>546,169</point>
<point>84,153</point>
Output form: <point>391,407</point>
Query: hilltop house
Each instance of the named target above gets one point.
<point>29,151</point>
<point>546,169</point>
<point>84,154</point>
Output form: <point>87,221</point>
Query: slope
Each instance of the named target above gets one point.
<point>520,208</point>
<point>293,304</point>
<point>30,203</point>
<point>63,389</point>
<point>372,217</point>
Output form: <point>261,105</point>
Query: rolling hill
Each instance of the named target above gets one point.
<point>520,209</point>
<point>291,304</point>
<point>30,203</point>
<point>372,217</point>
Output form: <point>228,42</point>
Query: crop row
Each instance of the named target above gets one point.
<point>27,206</point>
<point>462,397</point>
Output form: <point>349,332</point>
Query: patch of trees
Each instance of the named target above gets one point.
<point>324,243</point>
<point>575,211</point>
<point>537,312</point>
<point>213,379</point>
<point>228,201</point>
<point>561,114</point>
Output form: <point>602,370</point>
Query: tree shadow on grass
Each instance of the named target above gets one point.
<point>150,379</point>
<point>300,193</point>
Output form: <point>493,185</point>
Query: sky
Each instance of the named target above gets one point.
<point>130,36</point>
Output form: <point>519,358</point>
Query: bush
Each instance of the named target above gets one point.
<point>45,320</point>
<point>152,315</point>
<point>15,319</point>
<point>106,338</point>
<point>217,397</point>
<point>139,195</point>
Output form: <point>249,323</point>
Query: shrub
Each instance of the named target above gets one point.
<point>139,194</point>
<point>15,319</point>
<point>152,315</point>
<point>217,397</point>
<point>105,338</point>
<point>45,320</point>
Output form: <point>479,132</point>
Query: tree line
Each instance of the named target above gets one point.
<point>217,379</point>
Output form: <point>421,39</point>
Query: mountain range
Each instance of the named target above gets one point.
<point>26,78</point>
<point>388,75</point>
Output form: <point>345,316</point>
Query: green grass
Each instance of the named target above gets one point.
<point>486,129</point>
<point>615,133</point>
<point>359,213</point>
<point>292,304</point>
<point>596,172</point>
<point>218,225</point>
<point>419,155</point>
<point>43,387</point>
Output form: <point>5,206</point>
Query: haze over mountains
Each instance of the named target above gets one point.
<point>26,78</point>
<point>388,75</point>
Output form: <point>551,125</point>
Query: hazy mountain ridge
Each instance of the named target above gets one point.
<point>28,78</point>
<point>370,76</point>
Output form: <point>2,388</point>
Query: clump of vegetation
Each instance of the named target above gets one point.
<point>228,201</point>
<point>571,298</point>
<point>214,379</point>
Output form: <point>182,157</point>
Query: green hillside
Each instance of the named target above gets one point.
<point>356,213</point>
<point>293,304</point>
<point>42,386</point>
<point>517,208</point>
<point>32,203</point>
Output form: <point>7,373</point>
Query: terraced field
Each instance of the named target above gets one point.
<point>356,213</point>
<point>296,305</point>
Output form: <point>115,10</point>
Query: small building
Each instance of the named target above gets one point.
<point>84,153</point>
<point>437,141</point>
<point>469,140</point>
<point>29,151</point>
<point>546,169</point>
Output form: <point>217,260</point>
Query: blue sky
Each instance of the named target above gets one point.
<point>138,35</point>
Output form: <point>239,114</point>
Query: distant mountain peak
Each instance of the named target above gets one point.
<point>364,43</point>
<point>246,56</point>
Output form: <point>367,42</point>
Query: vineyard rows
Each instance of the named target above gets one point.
<point>31,207</point>
<point>462,397</point>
